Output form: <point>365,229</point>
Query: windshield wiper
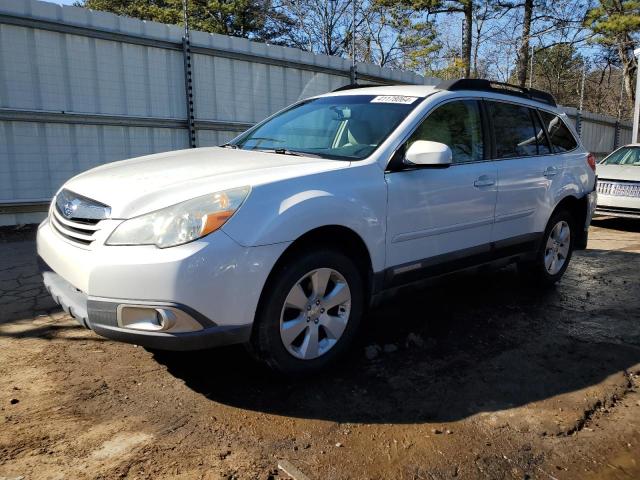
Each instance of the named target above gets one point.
<point>262,139</point>
<point>296,153</point>
<point>229,145</point>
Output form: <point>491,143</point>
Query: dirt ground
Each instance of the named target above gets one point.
<point>478,376</point>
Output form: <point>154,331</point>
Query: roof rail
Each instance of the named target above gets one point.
<point>484,85</point>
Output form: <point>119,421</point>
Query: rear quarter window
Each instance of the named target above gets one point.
<point>561,137</point>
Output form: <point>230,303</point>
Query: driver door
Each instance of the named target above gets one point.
<point>441,217</point>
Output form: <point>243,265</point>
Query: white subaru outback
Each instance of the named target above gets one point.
<point>284,236</point>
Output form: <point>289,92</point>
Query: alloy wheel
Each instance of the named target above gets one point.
<point>557,248</point>
<point>315,313</point>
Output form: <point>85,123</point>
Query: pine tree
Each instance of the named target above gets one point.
<point>616,24</point>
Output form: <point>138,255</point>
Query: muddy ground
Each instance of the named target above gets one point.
<point>480,376</point>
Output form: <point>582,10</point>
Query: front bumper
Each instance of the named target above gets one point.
<point>213,281</point>
<point>618,206</point>
<point>618,211</point>
<point>100,315</point>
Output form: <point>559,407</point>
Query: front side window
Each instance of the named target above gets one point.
<point>514,130</point>
<point>561,137</point>
<point>456,124</point>
<point>341,127</point>
<point>624,156</point>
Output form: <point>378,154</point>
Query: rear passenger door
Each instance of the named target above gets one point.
<point>528,173</point>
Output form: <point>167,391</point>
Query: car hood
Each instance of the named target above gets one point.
<point>618,172</point>
<point>141,185</point>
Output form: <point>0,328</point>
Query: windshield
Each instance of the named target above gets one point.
<point>341,127</point>
<point>624,156</point>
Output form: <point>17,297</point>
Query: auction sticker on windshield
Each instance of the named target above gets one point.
<point>394,99</point>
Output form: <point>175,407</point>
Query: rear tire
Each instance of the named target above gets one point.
<point>555,251</point>
<point>309,313</point>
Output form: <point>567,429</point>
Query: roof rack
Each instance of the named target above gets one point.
<point>484,85</point>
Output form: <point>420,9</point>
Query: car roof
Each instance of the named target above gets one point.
<point>426,90</point>
<point>408,90</point>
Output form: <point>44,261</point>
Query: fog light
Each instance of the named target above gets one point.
<point>159,319</point>
<point>140,318</point>
<point>165,318</point>
<point>156,319</point>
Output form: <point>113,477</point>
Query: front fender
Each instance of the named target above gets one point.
<point>283,211</point>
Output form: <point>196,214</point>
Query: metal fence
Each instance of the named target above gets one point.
<point>600,133</point>
<point>79,88</point>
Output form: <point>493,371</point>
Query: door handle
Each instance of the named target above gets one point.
<point>550,172</point>
<point>484,181</point>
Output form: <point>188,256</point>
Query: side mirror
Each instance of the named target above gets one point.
<point>422,152</point>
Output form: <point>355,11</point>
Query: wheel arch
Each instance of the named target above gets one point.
<point>341,238</point>
<point>578,208</point>
<point>338,237</point>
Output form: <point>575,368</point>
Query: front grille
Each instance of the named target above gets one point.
<point>77,218</point>
<point>79,231</point>
<point>619,189</point>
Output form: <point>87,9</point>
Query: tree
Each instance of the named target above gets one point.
<point>616,24</point>
<point>240,18</point>
<point>318,26</point>
<point>523,53</point>
<point>604,87</point>
<point>558,70</point>
<point>483,13</point>
<point>395,37</point>
<point>435,7</point>
<point>542,22</point>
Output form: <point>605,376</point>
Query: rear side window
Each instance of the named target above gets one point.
<point>514,130</point>
<point>561,137</point>
<point>541,136</point>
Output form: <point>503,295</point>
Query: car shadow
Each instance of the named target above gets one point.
<point>472,342</point>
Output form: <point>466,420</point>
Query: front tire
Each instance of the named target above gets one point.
<point>310,312</point>
<point>555,251</point>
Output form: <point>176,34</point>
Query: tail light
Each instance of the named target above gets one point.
<point>591,160</point>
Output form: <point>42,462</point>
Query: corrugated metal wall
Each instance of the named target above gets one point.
<point>598,132</point>
<point>79,88</point>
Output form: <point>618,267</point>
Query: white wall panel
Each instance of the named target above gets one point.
<point>45,155</point>
<point>211,138</point>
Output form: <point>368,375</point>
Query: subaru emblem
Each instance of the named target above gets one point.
<point>68,209</point>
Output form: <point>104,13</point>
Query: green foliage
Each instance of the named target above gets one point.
<point>240,18</point>
<point>616,24</point>
<point>419,43</point>
<point>397,36</point>
<point>435,7</point>
<point>558,70</point>
<point>613,20</point>
<point>432,6</point>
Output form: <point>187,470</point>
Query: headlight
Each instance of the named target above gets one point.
<point>181,223</point>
